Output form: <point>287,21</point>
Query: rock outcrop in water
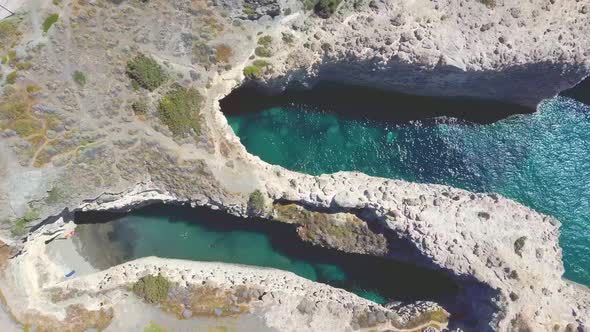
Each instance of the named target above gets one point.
<point>75,139</point>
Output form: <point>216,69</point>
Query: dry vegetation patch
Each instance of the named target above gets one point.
<point>435,318</point>
<point>9,33</point>
<point>335,230</point>
<point>17,115</point>
<point>208,300</point>
<point>223,53</point>
<point>4,256</point>
<point>78,319</point>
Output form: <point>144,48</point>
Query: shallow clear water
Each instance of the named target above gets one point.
<point>541,160</point>
<point>204,235</point>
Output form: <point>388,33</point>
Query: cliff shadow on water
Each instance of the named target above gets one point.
<point>358,102</point>
<point>201,234</point>
<point>580,92</point>
<point>106,239</point>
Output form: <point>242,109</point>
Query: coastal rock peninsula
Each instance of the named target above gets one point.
<point>82,128</point>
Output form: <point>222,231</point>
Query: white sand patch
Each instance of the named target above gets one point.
<point>64,251</point>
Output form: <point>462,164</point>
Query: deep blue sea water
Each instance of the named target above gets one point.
<point>541,160</point>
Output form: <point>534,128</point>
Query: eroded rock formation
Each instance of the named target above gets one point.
<point>79,144</point>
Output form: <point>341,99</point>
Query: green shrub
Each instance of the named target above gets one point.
<point>249,10</point>
<point>20,226</point>
<point>256,201</point>
<point>203,53</point>
<point>151,288</point>
<point>79,78</point>
<point>154,327</point>
<point>265,41</point>
<point>519,245</point>
<point>179,110</point>
<point>489,3</point>
<point>11,58</point>
<point>140,107</point>
<point>32,88</point>
<point>146,72</point>
<point>288,37</point>
<point>309,4</point>
<point>25,127</point>
<point>49,21</point>
<point>261,63</point>
<point>23,65</point>
<point>11,78</point>
<point>9,33</point>
<point>256,69</point>
<point>325,8</point>
<point>252,72</point>
<point>263,52</point>
<point>8,29</point>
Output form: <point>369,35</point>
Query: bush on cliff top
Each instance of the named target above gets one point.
<point>9,33</point>
<point>146,72</point>
<point>20,226</point>
<point>79,78</point>
<point>489,3</point>
<point>151,288</point>
<point>49,22</point>
<point>257,68</point>
<point>263,52</point>
<point>325,8</point>
<point>179,110</point>
<point>256,201</point>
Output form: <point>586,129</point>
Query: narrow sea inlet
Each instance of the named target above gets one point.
<point>204,235</point>
<point>541,160</point>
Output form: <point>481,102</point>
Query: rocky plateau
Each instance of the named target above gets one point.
<point>73,138</point>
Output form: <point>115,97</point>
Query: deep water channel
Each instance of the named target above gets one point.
<point>200,234</point>
<point>541,160</point>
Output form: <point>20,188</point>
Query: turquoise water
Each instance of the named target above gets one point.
<point>205,235</point>
<point>541,160</point>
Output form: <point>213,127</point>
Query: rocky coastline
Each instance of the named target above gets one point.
<point>502,52</point>
<point>507,255</point>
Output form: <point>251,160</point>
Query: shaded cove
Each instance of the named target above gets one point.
<point>349,101</point>
<point>541,159</point>
<point>107,239</point>
<point>580,92</point>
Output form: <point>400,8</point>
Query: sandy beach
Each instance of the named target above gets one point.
<point>65,252</point>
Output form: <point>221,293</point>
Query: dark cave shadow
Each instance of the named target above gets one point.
<point>580,92</point>
<point>430,284</point>
<point>358,102</point>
